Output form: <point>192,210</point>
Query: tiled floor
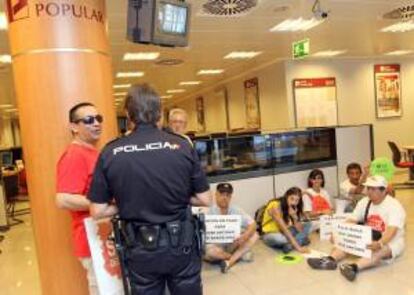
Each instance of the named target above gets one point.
<point>19,275</point>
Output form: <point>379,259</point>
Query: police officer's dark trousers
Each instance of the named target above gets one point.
<point>178,268</point>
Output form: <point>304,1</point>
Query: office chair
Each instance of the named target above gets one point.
<point>401,161</point>
<point>11,190</point>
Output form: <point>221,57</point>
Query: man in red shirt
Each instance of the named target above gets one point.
<point>74,174</point>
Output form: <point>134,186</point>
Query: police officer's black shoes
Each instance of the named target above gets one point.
<point>349,271</point>
<point>224,266</point>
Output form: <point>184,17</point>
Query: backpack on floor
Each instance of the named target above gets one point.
<point>258,217</point>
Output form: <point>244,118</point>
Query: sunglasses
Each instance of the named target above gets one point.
<point>89,120</point>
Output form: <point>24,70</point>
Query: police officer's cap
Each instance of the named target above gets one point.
<point>225,187</point>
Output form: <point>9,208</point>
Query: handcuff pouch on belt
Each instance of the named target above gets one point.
<point>148,236</point>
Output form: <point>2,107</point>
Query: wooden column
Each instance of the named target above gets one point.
<point>61,57</point>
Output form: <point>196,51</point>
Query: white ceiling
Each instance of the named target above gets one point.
<point>352,25</point>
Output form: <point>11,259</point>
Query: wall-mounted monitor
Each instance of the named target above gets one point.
<point>159,22</point>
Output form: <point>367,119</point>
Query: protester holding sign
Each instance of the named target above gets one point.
<point>351,189</point>
<point>283,225</point>
<point>316,200</point>
<point>230,253</point>
<point>385,215</point>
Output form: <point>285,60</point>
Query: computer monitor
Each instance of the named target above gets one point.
<point>6,158</point>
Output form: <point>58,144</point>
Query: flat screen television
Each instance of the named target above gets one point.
<point>159,22</point>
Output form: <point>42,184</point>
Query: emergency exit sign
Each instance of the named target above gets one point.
<point>301,49</point>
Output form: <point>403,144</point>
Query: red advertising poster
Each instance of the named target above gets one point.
<point>315,102</point>
<point>251,96</point>
<point>387,90</point>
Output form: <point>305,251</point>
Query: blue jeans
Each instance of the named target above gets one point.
<point>278,240</point>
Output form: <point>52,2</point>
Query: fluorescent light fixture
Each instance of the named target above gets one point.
<point>129,74</point>
<point>242,54</point>
<point>118,86</point>
<point>166,96</point>
<point>5,58</point>
<point>210,72</point>
<point>187,83</point>
<point>328,53</point>
<point>299,24</point>
<point>5,106</point>
<point>10,110</point>
<point>400,27</point>
<point>120,93</point>
<point>3,21</point>
<point>176,91</point>
<point>399,52</point>
<point>141,55</point>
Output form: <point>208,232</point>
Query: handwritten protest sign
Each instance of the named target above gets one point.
<point>221,229</point>
<point>353,238</point>
<point>326,223</point>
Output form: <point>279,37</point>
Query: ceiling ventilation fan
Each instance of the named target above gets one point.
<point>228,7</point>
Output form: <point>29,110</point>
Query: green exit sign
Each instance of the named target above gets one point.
<point>301,49</point>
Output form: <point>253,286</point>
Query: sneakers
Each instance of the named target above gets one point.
<point>349,271</point>
<point>224,266</point>
<point>247,257</point>
<point>327,263</point>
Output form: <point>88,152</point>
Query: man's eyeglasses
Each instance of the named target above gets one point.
<point>89,120</point>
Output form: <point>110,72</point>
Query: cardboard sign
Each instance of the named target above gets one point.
<point>222,229</point>
<point>326,223</point>
<point>105,261</point>
<point>353,238</point>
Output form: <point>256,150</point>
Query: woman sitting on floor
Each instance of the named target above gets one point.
<point>283,225</point>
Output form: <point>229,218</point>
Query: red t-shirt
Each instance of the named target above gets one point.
<point>74,175</point>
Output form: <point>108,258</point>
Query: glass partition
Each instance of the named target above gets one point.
<point>228,155</point>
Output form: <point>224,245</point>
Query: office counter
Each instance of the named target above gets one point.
<point>264,165</point>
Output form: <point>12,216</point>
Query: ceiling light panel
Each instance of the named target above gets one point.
<point>399,52</point>
<point>299,24</point>
<point>5,58</point>
<point>166,96</point>
<point>242,54</point>
<point>129,74</point>
<point>189,83</point>
<point>400,27</point>
<point>141,55</point>
<point>120,93</point>
<point>176,91</point>
<point>120,86</point>
<point>210,72</point>
<point>3,21</point>
<point>329,53</point>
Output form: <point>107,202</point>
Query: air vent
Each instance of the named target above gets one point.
<point>169,62</point>
<point>228,7</point>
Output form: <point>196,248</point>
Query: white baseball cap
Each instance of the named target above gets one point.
<point>376,181</point>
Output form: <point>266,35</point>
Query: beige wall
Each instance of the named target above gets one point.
<point>355,96</point>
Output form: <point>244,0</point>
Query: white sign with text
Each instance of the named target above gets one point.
<point>327,222</point>
<point>353,238</point>
<point>222,229</point>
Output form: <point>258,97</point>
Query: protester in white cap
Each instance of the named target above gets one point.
<point>385,215</point>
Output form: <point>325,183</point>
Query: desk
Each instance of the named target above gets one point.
<point>410,153</point>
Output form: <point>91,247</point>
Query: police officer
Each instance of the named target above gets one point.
<point>153,176</point>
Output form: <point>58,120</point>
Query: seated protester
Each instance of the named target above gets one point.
<point>316,200</point>
<point>351,189</point>
<point>386,216</point>
<point>229,254</point>
<point>283,225</point>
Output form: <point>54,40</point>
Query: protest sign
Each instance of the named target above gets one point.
<point>326,223</point>
<point>222,229</point>
<point>353,238</point>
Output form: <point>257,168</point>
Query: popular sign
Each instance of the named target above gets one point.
<point>222,229</point>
